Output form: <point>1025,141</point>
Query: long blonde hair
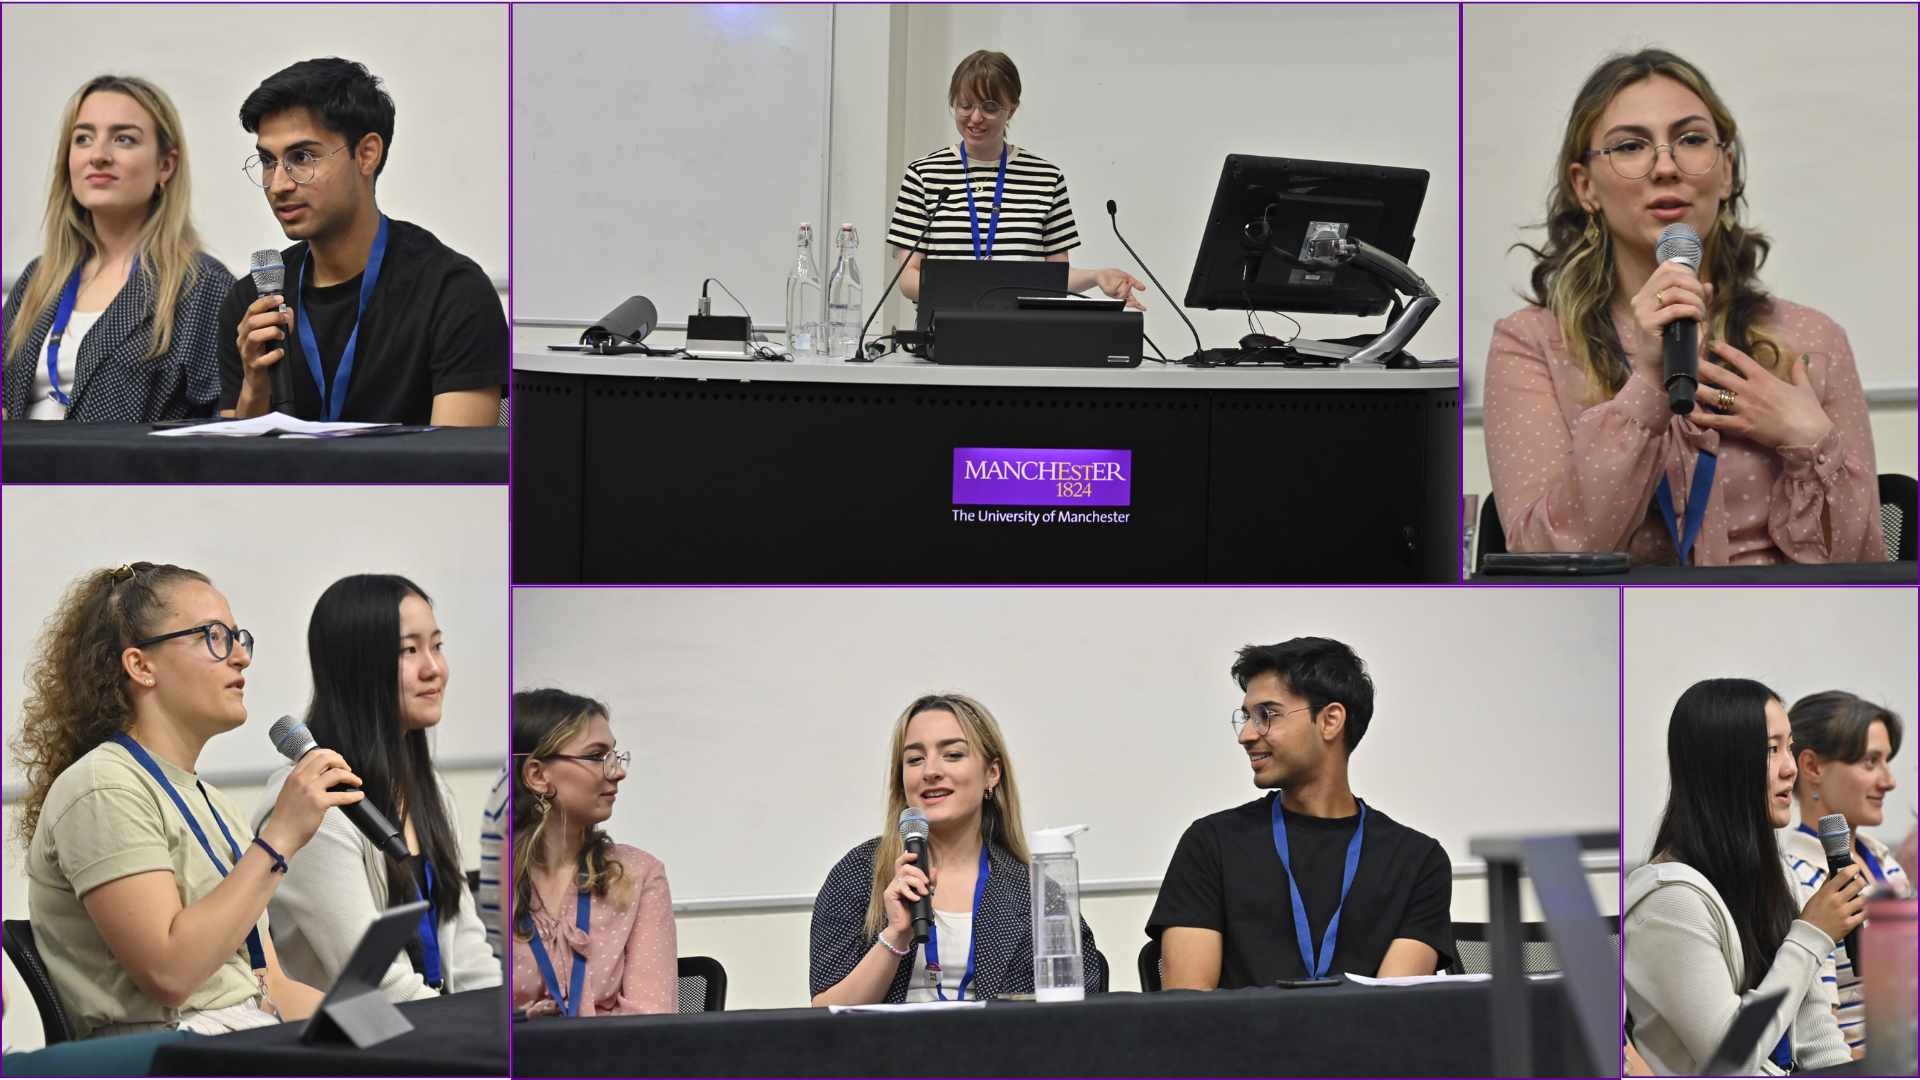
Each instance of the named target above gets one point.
<point>999,816</point>
<point>1573,273</point>
<point>168,247</point>
<point>543,722</point>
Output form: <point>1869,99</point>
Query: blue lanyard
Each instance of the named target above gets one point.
<point>1866,857</point>
<point>333,398</point>
<point>256,955</point>
<point>429,933</point>
<point>973,212</point>
<point>973,938</point>
<point>1783,1051</point>
<point>1696,505</point>
<point>62,315</point>
<point>1301,930</point>
<point>570,1004</point>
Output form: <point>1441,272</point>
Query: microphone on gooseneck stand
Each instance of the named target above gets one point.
<point>860,347</point>
<point>294,742</point>
<point>1680,339</point>
<point>913,833</point>
<point>1837,842</point>
<point>1199,350</point>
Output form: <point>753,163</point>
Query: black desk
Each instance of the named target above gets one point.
<point>49,452</point>
<point>650,469</point>
<point>1336,1031</point>
<point>1897,573</point>
<point>461,1035</point>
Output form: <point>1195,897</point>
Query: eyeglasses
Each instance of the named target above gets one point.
<point>299,165</point>
<point>610,761</point>
<point>1693,153</point>
<point>989,109</point>
<point>1263,715</point>
<point>220,638</point>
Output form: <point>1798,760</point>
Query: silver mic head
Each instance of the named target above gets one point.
<point>1678,243</point>
<point>291,738</point>
<point>1834,836</point>
<point>913,825</point>
<point>269,273</point>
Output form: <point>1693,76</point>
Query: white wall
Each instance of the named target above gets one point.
<point>1825,98</point>
<point>272,551</point>
<point>1797,641</point>
<point>444,64</point>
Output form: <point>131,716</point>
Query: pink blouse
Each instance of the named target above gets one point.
<point>1569,476</point>
<point>632,963</point>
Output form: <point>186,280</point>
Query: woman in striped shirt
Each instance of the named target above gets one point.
<point>1844,747</point>
<point>1003,201</point>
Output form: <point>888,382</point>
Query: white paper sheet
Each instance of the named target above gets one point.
<point>272,424</point>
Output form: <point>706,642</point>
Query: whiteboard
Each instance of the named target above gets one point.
<point>659,145</point>
<point>759,719</point>
<point>1802,641</point>
<point>272,551</point>
<point>447,168</point>
<point>1852,257</point>
<point>1142,103</point>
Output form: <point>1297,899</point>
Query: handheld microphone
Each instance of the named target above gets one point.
<point>294,742</point>
<point>913,833</point>
<point>269,275</point>
<point>1199,350</point>
<point>1680,339</point>
<point>860,347</point>
<point>1837,841</point>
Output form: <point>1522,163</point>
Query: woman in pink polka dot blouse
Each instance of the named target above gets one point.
<point>1580,437</point>
<point>592,919</point>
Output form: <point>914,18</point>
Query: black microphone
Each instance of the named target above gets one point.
<point>294,742</point>
<point>913,833</point>
<point>1113,216</point>
<point>1837,841</point>
<point>1680,339</point>
<point>860,347</point>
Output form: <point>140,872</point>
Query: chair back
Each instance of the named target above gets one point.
<point>703,985</point>
<point>1150,966</point>
<point>1896,515</point>
<point>25,954</point>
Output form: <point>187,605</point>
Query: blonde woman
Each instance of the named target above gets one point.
<point>1775,463</point>
<point>949,761</point>
<point>592,920</point>
<point>117,319</point>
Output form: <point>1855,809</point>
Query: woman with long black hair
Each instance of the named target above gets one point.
<point>363,699</point>
<point>1713,920</point>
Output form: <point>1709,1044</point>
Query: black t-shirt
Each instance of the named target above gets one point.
<point>434,325</point>
<point>1226,876</point>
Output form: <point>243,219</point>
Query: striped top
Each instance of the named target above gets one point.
<point>1036,220</point>
<point>493,837</point>
<point>1800,846</point>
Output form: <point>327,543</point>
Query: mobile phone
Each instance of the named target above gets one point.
<point>1302,984</point>
<point>1565,563</point>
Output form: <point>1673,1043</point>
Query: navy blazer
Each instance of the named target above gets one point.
<point>114,381</point>
<point>1002,928</point>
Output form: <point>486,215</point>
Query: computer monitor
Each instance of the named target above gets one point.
<point>1266,209</point>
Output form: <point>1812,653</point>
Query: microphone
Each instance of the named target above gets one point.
<point>269,275</point>
<point>294,742</point>
<point>1837,841</point>
<point>913,832</point>
<point>860,347</point>
<point>1199,350</point>
<point>1680,339</point>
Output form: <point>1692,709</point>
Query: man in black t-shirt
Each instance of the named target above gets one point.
<point>383,321</point>
<point>1229,906</point>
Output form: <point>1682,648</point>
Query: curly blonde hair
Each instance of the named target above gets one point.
<point>77,695</point>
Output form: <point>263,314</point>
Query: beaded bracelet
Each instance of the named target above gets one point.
<point>882,936</point>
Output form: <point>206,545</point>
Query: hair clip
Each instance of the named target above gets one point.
<point>123,568</point>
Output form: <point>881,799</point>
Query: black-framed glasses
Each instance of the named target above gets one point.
<point>300,166</point>
<point>610,761</point>
<point>1633,158</point>
<point>220,638</point>
<point>1263,715</point>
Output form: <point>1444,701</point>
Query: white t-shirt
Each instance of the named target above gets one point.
<point>956,936</point>
<point>41,402</point>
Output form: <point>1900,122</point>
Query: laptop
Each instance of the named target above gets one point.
<point>991,283</point>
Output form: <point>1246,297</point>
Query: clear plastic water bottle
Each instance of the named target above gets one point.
<point>805,300</point>
<point>1058,967</point>
<point>844,310</point>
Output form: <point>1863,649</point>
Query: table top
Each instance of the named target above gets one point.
<point>530,353</point>
<point>43,452</point>
<point>458,1035</point>
<point>1887,573</point>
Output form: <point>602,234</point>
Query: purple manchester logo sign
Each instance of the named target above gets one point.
<point>1002,476</point>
